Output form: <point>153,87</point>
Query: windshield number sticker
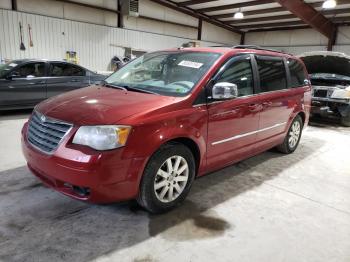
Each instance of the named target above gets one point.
<point>190,64</point>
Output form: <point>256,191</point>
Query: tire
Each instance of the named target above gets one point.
<point>345,121</point>
<point>292,139</point>
<point>159,183</point>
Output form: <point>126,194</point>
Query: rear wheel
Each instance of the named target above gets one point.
<point>292,138</point>
<point>167,178</point>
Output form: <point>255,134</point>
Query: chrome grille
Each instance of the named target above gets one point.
<point>320,93</point>
<point>46,133</point>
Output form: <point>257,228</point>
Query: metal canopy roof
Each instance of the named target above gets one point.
<point>259,15</point>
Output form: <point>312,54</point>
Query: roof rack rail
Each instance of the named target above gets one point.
<point>229,46</point>
<point>257,48</point>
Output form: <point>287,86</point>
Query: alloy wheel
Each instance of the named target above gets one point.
<point>171,179</point>
<point>294,134</point>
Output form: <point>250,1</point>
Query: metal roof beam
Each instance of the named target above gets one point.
<point>283,28</point>
<point>342,20</point>
<point>280,24</point>
<point>253,12</point>
<point>195,2</point>
<point>194,13</point>
<point>275,10</point>
<point>232,6</point>
<point>283,17</point>
<point>310,16</point>
<point>261,19</point>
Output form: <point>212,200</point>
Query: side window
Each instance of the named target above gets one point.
<point>77,71</point>
<point>297,73</point>
<point>63,69</point>
<point>241,74</point>
<point>31,70</point>
<point>56,69</point>
<point>272,74</point>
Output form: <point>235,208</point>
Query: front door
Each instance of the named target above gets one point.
<point>233,123</point>
<point>26,87</point>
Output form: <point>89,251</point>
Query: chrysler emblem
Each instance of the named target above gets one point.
<point>43,118</point>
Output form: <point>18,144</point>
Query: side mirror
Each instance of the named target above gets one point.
<point>224,90</point>
<point>12,75</point>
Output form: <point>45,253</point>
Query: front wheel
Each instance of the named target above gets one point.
<point>167,178</point>
<point>293,136</point>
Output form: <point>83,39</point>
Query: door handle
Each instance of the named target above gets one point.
<point>266,104</point>
<point>74,80</point>
<point>36,83</point>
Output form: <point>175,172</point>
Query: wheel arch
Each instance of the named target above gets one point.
<point>192,145</point>
<point>302,115</point>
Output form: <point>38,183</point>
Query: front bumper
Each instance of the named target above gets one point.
<point>330,107</point>
<point>86,174</point>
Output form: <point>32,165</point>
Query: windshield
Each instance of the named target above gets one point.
<point>6,68</point>
<point>165,73</point>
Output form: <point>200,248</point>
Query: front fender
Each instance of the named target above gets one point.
<point>148,137</point>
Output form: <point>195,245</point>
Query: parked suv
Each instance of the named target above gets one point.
<point>164,119</point>
<point>26,82</point>
<point>330,79</point>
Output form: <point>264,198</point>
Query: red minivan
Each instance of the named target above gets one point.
<point>165,118</point>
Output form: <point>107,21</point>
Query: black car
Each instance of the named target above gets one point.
<point>330,79</point>
<point>26,82</point>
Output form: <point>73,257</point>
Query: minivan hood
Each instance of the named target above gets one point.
<point>326,62</point>
<point>97,105</point>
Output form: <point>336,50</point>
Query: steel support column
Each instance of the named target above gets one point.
<point>200,24</point>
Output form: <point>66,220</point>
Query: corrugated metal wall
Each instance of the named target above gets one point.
<point>94,44</point>
<point>296,50</point>
<point>300,40</point>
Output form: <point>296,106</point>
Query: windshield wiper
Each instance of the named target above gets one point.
<point>140,90</point>
<point>131,88</point>
<point>104,83</point>
<point>127,88</point>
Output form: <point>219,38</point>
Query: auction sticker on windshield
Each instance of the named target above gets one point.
<point>190,64</point>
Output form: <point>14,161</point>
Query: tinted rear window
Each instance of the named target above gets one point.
<point>272,74</point>
<point>297,73</point>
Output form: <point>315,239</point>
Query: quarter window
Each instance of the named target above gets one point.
<point>272,74</point>
<point>297,73</point>
<point>241,74</point>
<point>63,69</point>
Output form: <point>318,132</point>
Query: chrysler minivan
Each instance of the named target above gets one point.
<point>164,119</point>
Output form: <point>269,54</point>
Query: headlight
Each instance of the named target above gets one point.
<point>102,137</point>
<point>341,93</point>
